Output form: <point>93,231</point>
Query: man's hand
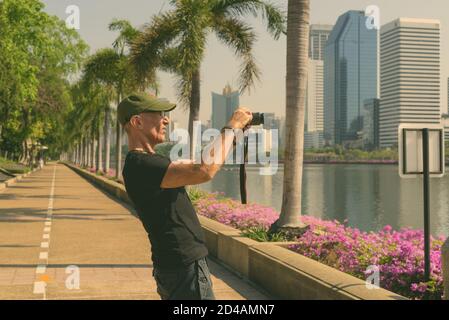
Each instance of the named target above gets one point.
<point>241,118</point>
<point>182,173</point>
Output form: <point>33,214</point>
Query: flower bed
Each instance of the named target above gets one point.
<point>397,254</point>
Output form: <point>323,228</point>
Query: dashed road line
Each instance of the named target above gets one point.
<point>40,284</point>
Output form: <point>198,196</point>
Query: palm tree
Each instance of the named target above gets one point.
<point>111,68</point>
<point>296,83</point>
<point>126,34</point>
<point>84,122</point>
<point>102,68</point>
<point>185,30</point>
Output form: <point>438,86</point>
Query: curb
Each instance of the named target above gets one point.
<point>10,182</point>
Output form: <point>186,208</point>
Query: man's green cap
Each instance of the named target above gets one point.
<point>141,102</point>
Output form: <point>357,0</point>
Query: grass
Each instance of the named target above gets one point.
<point>13,167</point>
<point>260,234</point>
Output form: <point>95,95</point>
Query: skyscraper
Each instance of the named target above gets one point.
<point>319,33</point>
<point>409,76</point>
<point>314,102</point>
<point>223,106</point>
<point>371,124</point>
<point>350,76</point>
<point>314,121</point>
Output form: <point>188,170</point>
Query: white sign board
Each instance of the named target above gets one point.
<point>411,150</point>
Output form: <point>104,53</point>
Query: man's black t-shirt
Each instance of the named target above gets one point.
<point>167,215</point>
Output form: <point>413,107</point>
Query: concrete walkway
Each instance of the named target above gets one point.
<point>54,225</point>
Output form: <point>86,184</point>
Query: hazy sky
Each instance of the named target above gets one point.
<point>220,66</point>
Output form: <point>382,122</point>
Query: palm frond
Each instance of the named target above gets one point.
<point>156,36</point>
<point>127,33</point>
<point>273,15</point>
<point>102,67</point>
<point>241,37</point>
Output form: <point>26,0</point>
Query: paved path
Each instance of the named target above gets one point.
<point>54,219</point>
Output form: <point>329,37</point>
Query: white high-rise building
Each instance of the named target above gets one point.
<point>447,110</point>
<point>409,76</point>
<point>315,95</point>
<point>314,118</point>
<point>319,33</point>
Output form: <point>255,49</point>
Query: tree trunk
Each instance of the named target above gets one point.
<point>77,154</point>
<point>107,139</point>
<point>92,146</point>
<point>92,152</point>
<point>99,165</point>
<point>118,147</point>
<point>194,111</point>
<point>296,82</point>
<point>86,152</point>
<point>81,152</point>
<point>88,139</point>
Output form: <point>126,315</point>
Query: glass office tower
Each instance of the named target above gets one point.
<point>350,76</point>
<point>223,106</point>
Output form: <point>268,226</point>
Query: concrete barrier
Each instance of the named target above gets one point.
<point>271,265</point>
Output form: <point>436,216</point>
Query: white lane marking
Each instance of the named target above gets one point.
<point>39,288</point>
<point>39,285</point>
<point>41,268</point>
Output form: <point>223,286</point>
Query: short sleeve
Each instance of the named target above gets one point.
<point>153,168</point>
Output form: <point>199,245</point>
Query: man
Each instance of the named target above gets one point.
<point>156,187</point>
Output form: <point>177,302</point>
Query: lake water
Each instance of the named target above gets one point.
<point>368,196</point>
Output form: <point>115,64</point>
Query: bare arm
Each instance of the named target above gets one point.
<point>188,173</point>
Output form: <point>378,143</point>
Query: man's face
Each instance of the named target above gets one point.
<point>153,125</point>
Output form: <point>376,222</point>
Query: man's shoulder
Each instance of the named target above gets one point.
<point>140,160</point>
<point>142,156</point>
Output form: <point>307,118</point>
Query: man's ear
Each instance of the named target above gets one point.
<point>135,122</point>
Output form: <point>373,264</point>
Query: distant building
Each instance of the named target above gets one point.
<point>223,106</point>
<point>445,123</point>
<point>409,76</point>
<point>314,102</point>
<point>319,33</point>
<point>313,140</point>
<point>269,121</point>
<point>314,117</point>
<point>371,124</point>
<point>350,76</point>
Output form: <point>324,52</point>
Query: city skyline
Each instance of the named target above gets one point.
<point>220,66</point>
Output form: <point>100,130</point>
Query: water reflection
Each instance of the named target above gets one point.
<point>368,196</point>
